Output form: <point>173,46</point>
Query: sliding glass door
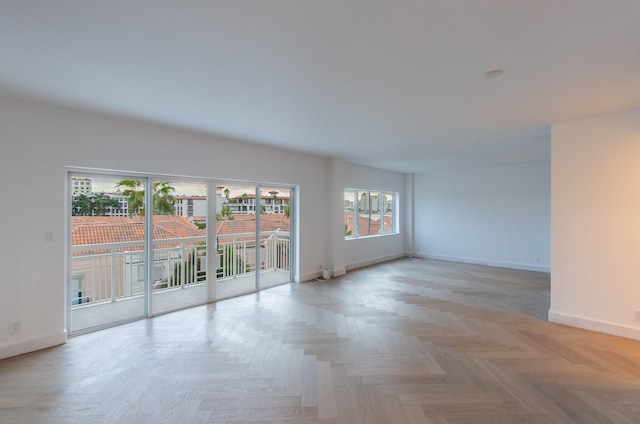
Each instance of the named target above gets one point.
<point>253,238</point>
<point>274,236</point>
<point>107,259</point>
<point>236,239</point>
<point>180,215</point>
<point>143,245</point>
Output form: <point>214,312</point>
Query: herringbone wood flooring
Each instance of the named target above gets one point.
<point>408,341</point>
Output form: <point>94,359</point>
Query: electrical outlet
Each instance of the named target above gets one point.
<point>636,315</point>
<point>15,326</point>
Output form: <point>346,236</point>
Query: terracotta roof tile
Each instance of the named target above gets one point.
<point>363,223</point>
<point>247,224</point>
<point>91,230</point>
<point>88,230</point>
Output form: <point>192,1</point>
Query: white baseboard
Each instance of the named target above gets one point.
<point>32,344</point>
<point>373,261</point>
<point>339,271</point>
<point>597,326</point>
<point>487,262</point>
<point>311,276</point>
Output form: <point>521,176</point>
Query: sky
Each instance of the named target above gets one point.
<point>108,184</point>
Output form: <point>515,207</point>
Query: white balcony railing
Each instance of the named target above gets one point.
<point>109,272</point>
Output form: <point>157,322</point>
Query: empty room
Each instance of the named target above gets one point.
<point>349,211</point>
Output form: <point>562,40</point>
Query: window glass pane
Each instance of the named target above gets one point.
<point>349,213</point>
<point>107,250</point>
<point>275,253</point>
<point>388,205</point>
<point>364,212</point>
<point>376,213</point>
<point>180,277</point>
<point>236,240</point>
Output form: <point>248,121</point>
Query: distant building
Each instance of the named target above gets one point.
<point>369,202</point>
<point>191,206</point>
<point>81,185</point>
<point>246,203</point>
<point>122,209</point>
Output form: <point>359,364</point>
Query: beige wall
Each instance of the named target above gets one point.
<point>595,223</point>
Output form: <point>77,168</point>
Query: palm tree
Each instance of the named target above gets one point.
<point>94,204</point>
<point>113,203</point>
<point>163,199</point>
<point>133,190</point>
<point>81,205</point>
<point>225,212</point>
<point>100,203</point>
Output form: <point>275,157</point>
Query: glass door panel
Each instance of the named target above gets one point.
<point>179,220</point>
<point>275,251</point>
<point>107,258</point>
<point>235,239</point>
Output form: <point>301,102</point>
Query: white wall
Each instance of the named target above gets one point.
<point>595,213</point>
<point>39,140</point>
<point>497,215</point>
<point>369,250</point>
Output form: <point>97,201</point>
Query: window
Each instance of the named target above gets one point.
<point>369,213</point>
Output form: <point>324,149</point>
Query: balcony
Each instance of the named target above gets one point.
<point>108,280</point>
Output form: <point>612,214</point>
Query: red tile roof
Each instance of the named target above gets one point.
<point>363,223</point>
<point>90,230</point>
<point>115,229</point>
<point>247,224</point>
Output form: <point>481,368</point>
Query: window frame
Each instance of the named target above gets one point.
<point>371,209</point>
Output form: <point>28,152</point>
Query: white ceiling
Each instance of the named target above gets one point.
<point>396,84</point>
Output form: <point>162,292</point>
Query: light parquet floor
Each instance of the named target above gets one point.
<point>407,341</point>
